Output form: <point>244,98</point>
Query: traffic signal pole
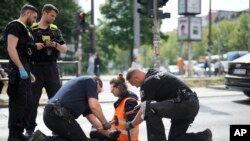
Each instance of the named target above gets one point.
<point>156,34</point>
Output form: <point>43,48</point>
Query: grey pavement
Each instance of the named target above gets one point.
<point>104,97</point>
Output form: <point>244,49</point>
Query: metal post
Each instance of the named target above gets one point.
<point>210,38</point>
<point>79,53</point>
<point>190,56</point>
<point>249,28</point>
<point>137,40</point>
<point>92,33</point>
<point>156,35</point>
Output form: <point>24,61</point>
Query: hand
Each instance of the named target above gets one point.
<point>23,73</point>
<point>114,135</point>
<point>106,125</point>
<point>129,125</point>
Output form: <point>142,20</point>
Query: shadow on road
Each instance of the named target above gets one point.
<point>243,101</point>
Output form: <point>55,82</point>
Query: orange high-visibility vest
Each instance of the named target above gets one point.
<point>120,113</point>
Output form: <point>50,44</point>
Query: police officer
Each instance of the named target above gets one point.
<point>20,47</point>
<point>79,96</point>
<point>49,43</point>
<point>124,106</point>
<point>165,96</point>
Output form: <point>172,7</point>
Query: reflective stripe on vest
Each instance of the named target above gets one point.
<point>119,112</point>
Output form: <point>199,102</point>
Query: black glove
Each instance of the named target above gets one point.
<point>106,126</point>
<point>129,125</point>
<point>114,135</point>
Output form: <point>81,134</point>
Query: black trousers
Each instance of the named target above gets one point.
<point>47,76</point>
<point>19,92</point>
<point>181,114</point>
<point>66,127</point>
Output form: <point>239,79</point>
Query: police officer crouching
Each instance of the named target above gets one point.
<point>165,96</point>
<point>79,96</point>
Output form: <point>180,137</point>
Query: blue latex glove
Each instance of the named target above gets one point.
<point>23,73</point>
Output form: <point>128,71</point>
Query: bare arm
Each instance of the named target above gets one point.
<point>61,48</point>
<point>12,51</point>
<point>96,109</point>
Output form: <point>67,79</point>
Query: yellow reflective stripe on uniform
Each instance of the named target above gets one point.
<point>30,35</point>
<point>52,27</point>
<point>34,26</point>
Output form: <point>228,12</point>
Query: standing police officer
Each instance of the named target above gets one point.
<point>20,47</point>
<point>49,43</point>
<point>165,96</point>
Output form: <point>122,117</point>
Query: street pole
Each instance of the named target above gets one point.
<point>79,52</point>
<point>156,34</point>
<point>249,27</point>
<point>92,33</point>
<point>210,38</point>
<point>137,40</point>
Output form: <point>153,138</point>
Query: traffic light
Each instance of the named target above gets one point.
<point>161,3</point>
<point>146,7</point>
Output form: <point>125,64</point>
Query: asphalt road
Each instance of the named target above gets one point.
<point>218,110</point>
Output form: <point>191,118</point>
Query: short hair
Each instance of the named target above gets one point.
<point>97,79</point>
<point>28,7</point>
<point>48,7</point>
<point>130,73</point>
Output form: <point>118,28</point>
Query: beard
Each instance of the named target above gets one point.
<point>29,22</point>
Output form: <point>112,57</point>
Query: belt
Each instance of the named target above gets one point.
<point>60,111</point>
<point>43,62</point>
<point>183,95</point>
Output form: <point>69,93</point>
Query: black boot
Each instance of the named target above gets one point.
<point>38,136</point>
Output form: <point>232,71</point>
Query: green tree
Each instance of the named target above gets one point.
<point>117,27</point>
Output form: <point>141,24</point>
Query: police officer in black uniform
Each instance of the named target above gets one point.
<point>79,96</point>
<point>20,47</point>
<point>165,96</point>
<point>50,43</point>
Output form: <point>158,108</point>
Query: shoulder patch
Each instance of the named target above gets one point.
<point>34,26</point>
<point>52,27</point>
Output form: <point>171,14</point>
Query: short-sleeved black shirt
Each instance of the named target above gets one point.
<point>159,86</point>
<point>17,29</point>
<point>47,54</point>
<point>75,93</point>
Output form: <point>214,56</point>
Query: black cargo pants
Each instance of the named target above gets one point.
<point>181,113</point>
<point>60,121</point>
<point>47,76</point>
<point>19,92</point>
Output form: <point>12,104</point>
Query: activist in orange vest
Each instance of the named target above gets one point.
<point>125,103</point>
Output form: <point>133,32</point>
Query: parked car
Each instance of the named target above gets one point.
<point>239,74</point>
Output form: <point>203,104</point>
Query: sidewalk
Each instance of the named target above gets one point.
<point>105,97</point>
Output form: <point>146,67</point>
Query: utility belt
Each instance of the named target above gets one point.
<point>184,95</point>
<point>59,110</point>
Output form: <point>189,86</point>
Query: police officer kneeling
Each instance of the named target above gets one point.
<point>79,96</point>
<point>165,96</point>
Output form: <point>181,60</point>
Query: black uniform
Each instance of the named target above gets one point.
<point>68,104</point>
<point>19,90</point>
<point>174,100</point>
<point>44,68</point>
